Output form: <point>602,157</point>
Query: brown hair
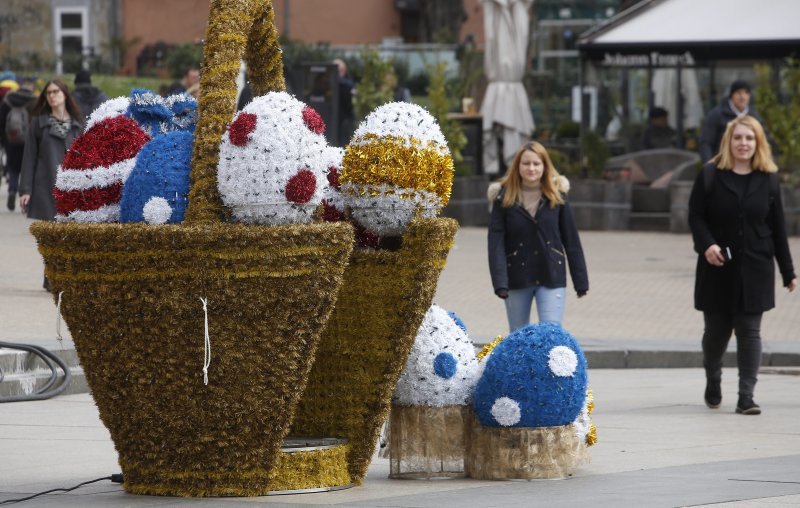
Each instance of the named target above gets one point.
<point>42,107</point>
<point>512,181</point>
<point>762,158</point>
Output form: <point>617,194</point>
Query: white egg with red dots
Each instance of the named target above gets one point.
<point>274,161</point>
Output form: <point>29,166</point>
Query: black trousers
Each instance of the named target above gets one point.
<point>718,328</point>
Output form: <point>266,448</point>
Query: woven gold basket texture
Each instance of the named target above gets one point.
<point>131,298</point>
<point>367,340</point>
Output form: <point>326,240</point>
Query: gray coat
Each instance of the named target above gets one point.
<point>43,153</point>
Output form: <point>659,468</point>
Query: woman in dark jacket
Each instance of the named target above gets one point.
<point>532,237</point>
<point>56,121</point>
<point>736,217</point>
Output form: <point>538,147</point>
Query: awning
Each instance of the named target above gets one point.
<point>708,29</point>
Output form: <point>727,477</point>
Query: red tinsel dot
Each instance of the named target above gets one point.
<point>330,213</point>
<point>333,177</point>
<point>241,128</point>
<point>313,121</point>
<point>110,141</point>
<point>301,187</point>
<point>366,238</point>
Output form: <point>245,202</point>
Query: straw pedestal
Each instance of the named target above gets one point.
<point>523,453</point>
<point>427,442</point>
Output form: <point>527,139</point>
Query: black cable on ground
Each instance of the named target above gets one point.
<point>116,478</point>
<point>52,387</point>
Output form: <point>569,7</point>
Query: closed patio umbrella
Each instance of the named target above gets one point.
<point>505,103</point>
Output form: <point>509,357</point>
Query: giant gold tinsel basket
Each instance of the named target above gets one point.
<point>131,295</point>
<point>368,338</point>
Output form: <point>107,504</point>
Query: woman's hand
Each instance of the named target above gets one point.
<point>714,255</point>
<point>23,202</point>
<point>792,285</point>
<point>502,293</point>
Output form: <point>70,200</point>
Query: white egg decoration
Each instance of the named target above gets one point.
<point>273,162</point>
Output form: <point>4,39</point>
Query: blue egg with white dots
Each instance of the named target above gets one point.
<point>445,365</point>
<point>157,190</point>
<point>536,377</point>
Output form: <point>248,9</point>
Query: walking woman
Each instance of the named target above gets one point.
<point>56,121</point>
<point>736,217</point>
<point>532,237</point>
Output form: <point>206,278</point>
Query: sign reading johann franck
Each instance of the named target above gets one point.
<point>653,58</point>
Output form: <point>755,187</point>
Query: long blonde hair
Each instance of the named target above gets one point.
<point>762,158</point>
<point>512,181</point>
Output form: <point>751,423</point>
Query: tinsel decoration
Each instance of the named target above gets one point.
<point>131,300</point>
<point>584,427</point>
<point>109,109</point>
<point>535,377</point>
<point>442,369</point>
<point>523,453</point>
<point>310,469</point>
<point>90,178</point>
<point>158,188</point>
<point>272,166</point>
<point>131,297</point>
<point>366,343</point>
<point>487,349</point>
<point>396,165</point>
<point>333,202</point>
<point>236,29</point>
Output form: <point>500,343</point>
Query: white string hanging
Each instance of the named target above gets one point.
<point>58,321</point>
<point>207,347</point>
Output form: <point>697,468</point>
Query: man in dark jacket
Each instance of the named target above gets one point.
<point>22,98</point>
<point>87,96</point>
<point>735,105</point>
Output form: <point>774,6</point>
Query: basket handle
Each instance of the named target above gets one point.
<point>236,29</point>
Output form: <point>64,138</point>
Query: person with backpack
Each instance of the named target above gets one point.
<point>86,96</point>
<point>15,119</point>
<point>738,228</point>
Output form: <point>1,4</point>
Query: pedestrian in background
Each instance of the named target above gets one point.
<point>86,96</point>
<point>532,237</point>
<point>736,105</point>
<point>16,111</point>
<point>737,222</point>
<point>56,122</point>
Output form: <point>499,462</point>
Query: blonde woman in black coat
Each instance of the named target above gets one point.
<point>532,238</point>
<point>737,222</point>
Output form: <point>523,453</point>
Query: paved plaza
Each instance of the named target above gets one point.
<point>658,444</point>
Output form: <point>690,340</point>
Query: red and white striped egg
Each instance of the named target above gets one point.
<point>90,178</point>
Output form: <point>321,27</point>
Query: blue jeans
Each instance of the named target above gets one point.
<point>549,305</point>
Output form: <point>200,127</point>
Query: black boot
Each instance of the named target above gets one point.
<point>12,201</point>
<point>713,395</point>
<point>746,406</point>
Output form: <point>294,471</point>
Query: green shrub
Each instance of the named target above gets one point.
<point>183,57</point>
<point>780,116</point>
<point>440,105</point>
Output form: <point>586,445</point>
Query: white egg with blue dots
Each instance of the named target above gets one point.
<point>536,377</point>
<point>442,368</point>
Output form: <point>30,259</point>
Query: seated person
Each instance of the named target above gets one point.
<point>658,133</point>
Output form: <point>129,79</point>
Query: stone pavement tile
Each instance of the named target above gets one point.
<point>641,290</point>
<point>658,445</point>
